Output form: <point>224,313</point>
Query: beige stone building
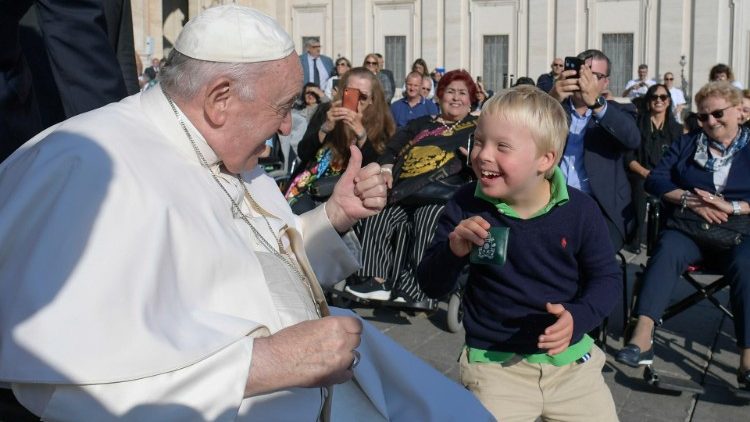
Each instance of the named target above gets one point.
<point>496,39</point>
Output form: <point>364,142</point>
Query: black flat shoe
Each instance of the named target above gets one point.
<point>632,356</point>
<point>743,379</point>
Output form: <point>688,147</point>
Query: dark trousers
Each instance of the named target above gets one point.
<point>11,409</point>
<point>674,252</point>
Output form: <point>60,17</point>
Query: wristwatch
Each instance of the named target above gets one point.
<point>599,102</point>
<point>736,210</point>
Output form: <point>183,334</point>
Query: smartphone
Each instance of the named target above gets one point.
<point>351,99</point>
<point>573,63</point>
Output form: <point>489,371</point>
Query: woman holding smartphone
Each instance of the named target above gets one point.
<point>324,150</point>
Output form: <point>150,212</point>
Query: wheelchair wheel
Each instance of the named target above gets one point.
<point>455,315</point>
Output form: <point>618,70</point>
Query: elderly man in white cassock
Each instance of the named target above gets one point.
<point>150,270</point>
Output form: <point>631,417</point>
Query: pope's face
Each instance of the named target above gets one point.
<point>250,123</point>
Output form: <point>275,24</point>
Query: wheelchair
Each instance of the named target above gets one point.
<point>702,291</point>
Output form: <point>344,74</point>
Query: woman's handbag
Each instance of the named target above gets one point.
<point>317,192</point>
<point>717,236</point>
<point>321,189</point>
<point>435,187</point>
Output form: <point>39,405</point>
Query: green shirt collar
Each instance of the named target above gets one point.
<point>558,196</point>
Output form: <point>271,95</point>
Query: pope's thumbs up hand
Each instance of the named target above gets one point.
<point>359,193</point>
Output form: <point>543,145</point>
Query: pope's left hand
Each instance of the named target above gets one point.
<point>359,193</point>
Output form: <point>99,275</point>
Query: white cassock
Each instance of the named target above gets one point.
<point>129,290</point>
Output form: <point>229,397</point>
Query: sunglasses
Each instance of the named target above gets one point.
<point>371,63</point>
<point>668,79</point>
<point>718,114</point>
<point>557,65</point>
<point>662,97</point>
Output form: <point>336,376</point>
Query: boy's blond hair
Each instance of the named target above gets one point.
<point>530,107</point>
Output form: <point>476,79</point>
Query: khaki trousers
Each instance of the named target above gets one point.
<point>522,391</point>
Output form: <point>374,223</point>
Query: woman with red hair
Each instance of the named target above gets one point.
<point>423,164</point>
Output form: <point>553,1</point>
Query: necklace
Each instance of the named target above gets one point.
<point>278,253</point>
<point>656,126</point>
<point>448,128</point>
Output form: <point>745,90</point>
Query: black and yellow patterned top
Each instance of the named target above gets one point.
<point>426,144</point>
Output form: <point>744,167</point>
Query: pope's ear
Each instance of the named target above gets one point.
<point>218,97</point>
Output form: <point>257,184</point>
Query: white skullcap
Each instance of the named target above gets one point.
<point>234,34</point>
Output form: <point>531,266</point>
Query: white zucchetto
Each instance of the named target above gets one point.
<point>234,34</point>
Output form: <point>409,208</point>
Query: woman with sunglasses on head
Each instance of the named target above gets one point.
<point>342,66</point>
<point>324,150</point>
<point>658,129</point>
<point>423,164</point>
<point>706,174</point>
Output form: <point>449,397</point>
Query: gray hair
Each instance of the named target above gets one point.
<point>184,77</point>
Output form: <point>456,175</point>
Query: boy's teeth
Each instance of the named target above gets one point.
<point>488,173</point>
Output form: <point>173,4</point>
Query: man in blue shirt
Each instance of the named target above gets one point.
<point>601,132</point>
<point>413,104</point>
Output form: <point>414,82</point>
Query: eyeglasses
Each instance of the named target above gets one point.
<point>662,97</point>
<point>315,46</point>
<point>718,114</point>
<point>557,65</point>
<point>599,76</point>
<point>668,79</point>
<point>371,63</point>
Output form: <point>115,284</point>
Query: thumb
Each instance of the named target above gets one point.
<point>355,163</point>
<point>555,309</point>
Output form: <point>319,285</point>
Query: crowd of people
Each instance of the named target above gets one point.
<point>159,274</point>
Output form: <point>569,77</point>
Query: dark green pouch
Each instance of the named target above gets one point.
<point>494,249</point>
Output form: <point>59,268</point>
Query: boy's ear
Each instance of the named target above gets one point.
<point>217,101</point>
<point>546,161</point>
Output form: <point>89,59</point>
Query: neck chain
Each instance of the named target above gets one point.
<point>278,253</point>
<point>448,128</point>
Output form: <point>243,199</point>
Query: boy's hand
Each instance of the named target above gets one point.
<point>556,337</point>
<point>469,232</point>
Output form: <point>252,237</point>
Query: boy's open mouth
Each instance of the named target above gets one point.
<point>486,174</point>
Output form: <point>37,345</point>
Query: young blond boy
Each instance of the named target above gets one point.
<point>542,273</point>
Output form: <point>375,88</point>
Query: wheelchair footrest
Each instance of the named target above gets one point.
<point>406,306</point>
<point>671,383</point>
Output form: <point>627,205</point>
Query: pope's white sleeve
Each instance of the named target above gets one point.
<point>332,257</point>
<point>209,390</point>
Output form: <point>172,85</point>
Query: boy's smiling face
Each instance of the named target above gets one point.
<point>506,162</point>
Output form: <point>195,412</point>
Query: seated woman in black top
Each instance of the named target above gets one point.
<point>658,130</point>
<point>324,150</point>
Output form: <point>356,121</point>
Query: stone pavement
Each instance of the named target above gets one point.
<point>698,344</point>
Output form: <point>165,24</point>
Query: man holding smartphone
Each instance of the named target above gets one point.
<point>600,133</point>
<point>637,87</point>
